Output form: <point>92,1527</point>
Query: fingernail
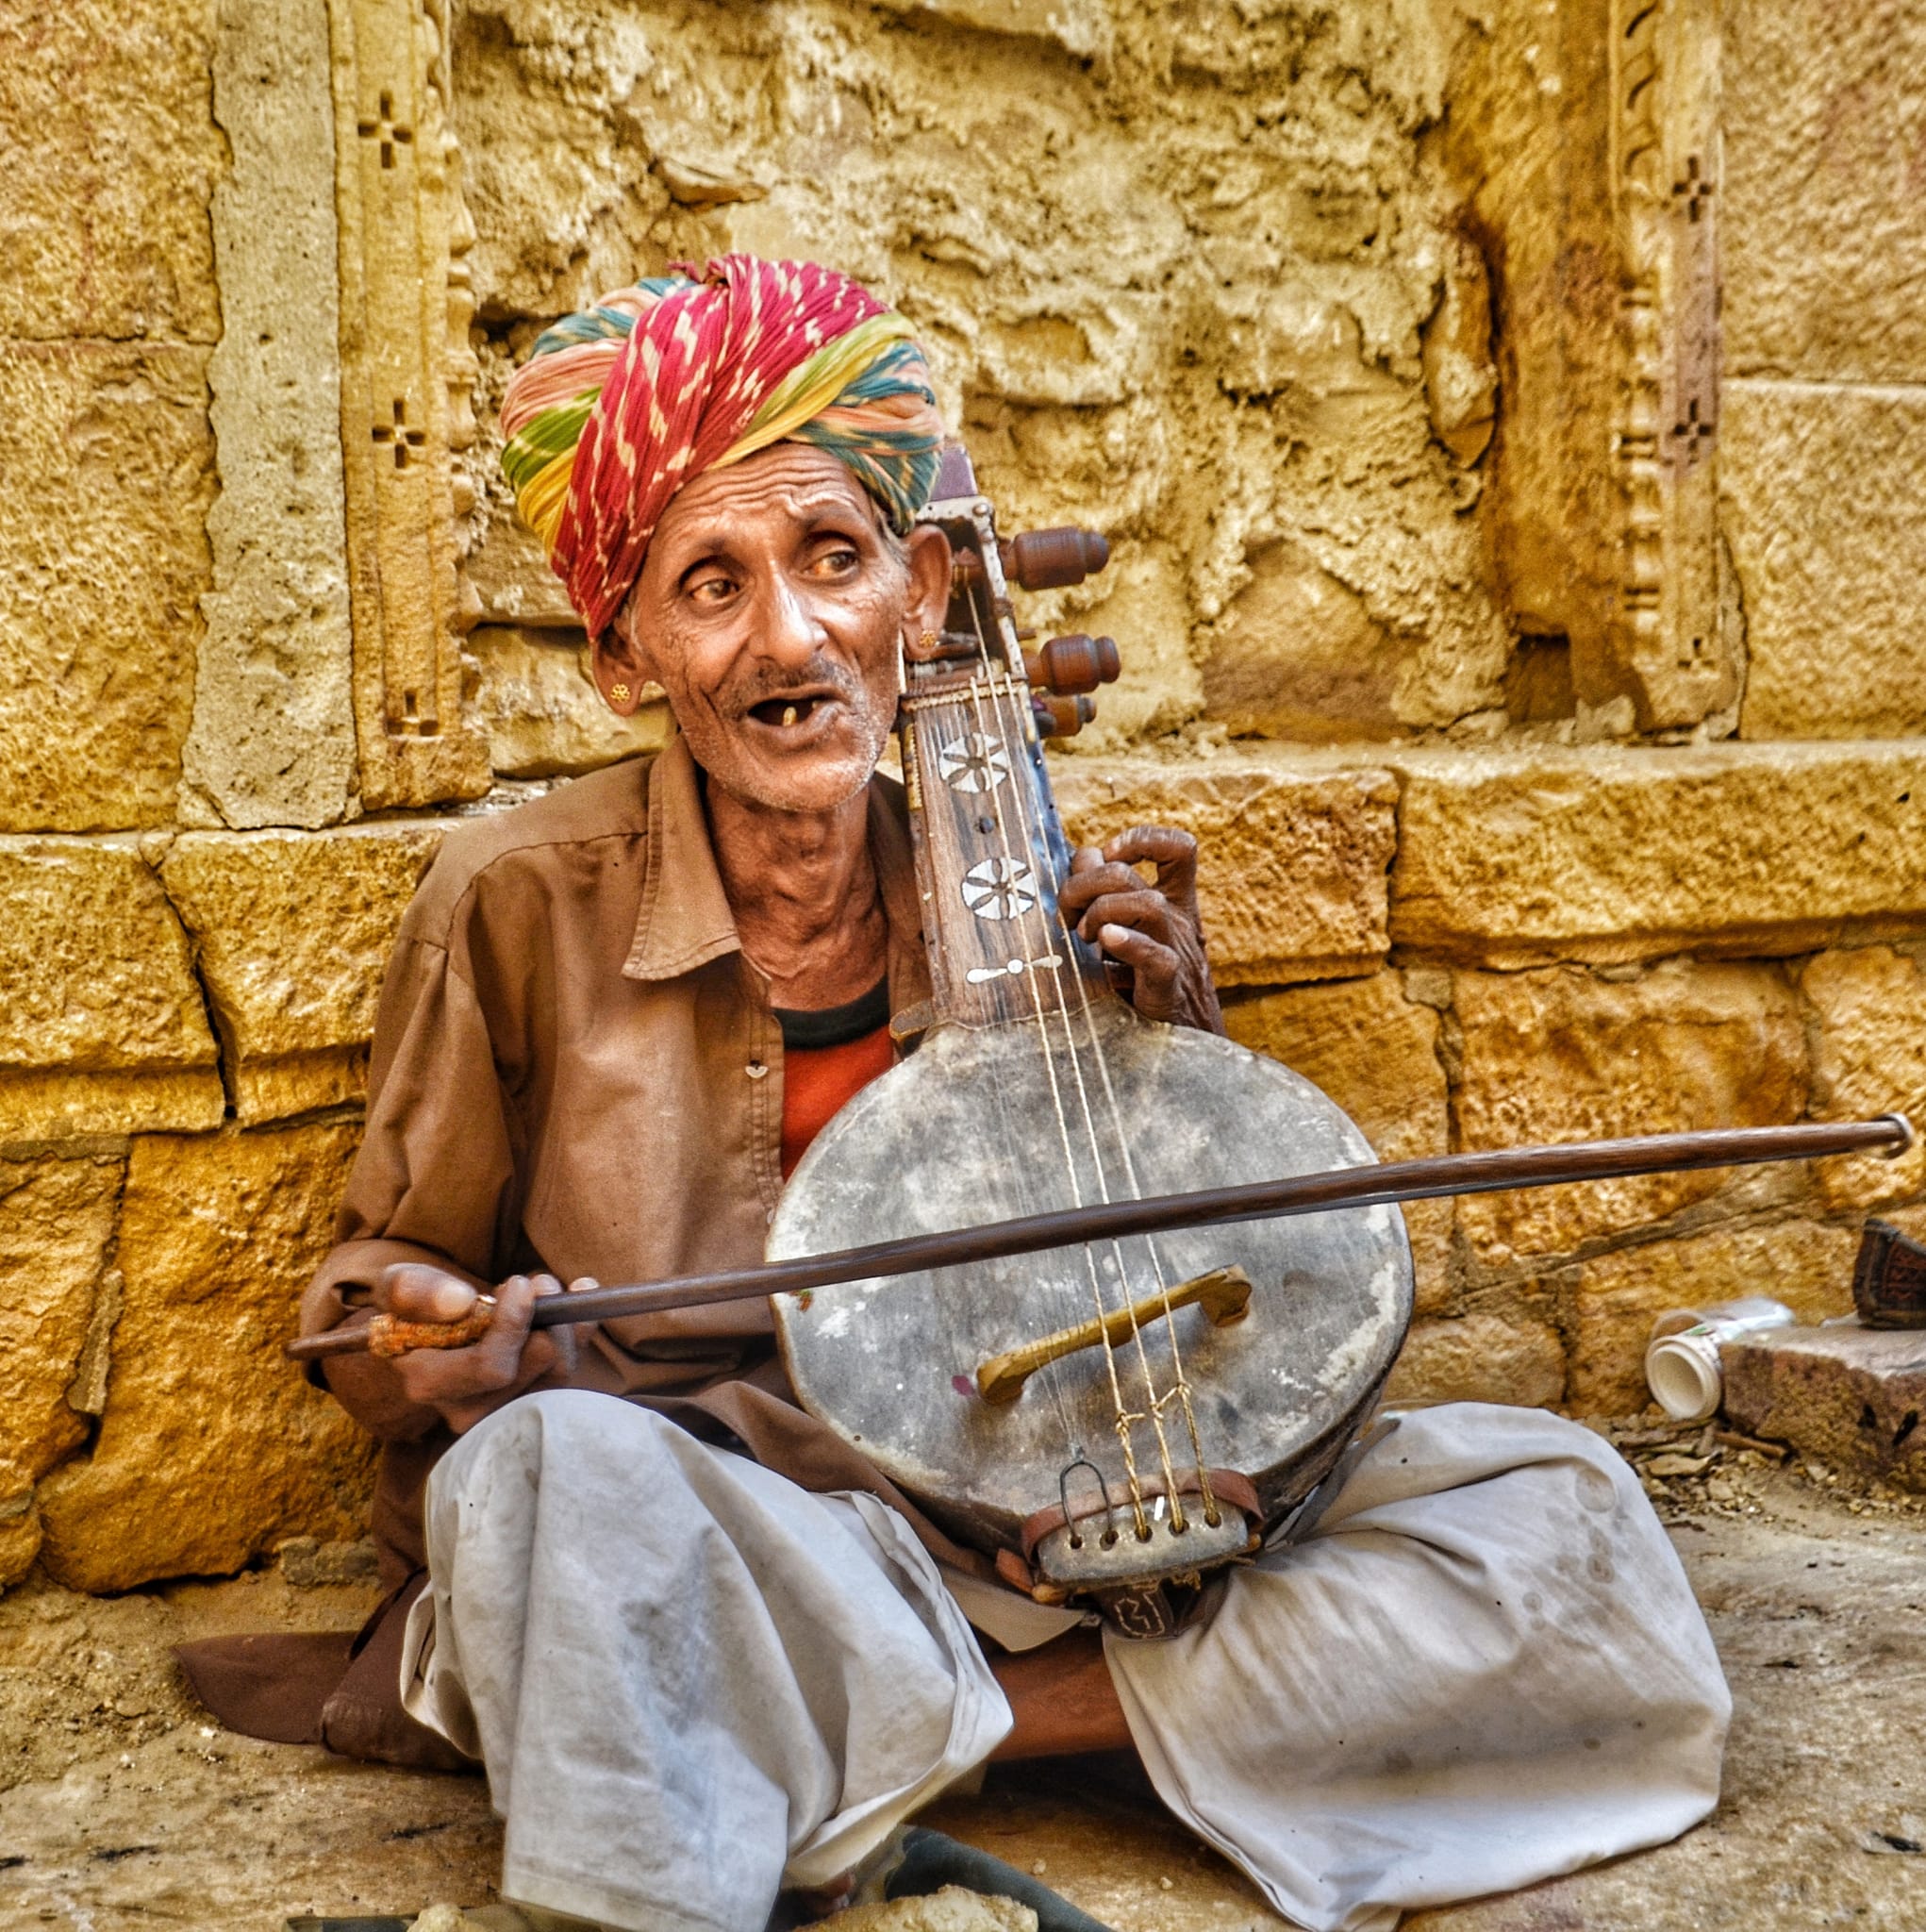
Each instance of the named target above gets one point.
<point>1115,934</point>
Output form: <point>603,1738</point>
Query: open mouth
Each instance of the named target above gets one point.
<point>792,711</point>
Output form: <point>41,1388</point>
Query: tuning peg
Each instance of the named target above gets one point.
<point>1061,717</point>
<point>1073,663</point>
<point>932,646</point>
<point>1051,559</point>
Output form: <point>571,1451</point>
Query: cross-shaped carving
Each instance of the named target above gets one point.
<point>387,130</point>
<point>1694,191</point>
<point>399,435</point>
<point>1691,437</point>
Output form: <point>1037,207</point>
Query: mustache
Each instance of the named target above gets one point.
<point>761,683</point>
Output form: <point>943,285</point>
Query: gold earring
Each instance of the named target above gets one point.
<point>618,692</point>
<point>929,641</point>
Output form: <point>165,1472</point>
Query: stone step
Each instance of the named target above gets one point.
<point>1853,1398</point>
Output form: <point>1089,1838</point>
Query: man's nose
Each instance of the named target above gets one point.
<point>787,629</point>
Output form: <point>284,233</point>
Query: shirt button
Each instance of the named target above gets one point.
<point>756,1070</point>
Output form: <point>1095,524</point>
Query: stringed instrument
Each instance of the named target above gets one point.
<point>1129,1412</point>
<point>1109,1298</point>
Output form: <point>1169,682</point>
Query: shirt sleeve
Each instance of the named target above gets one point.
<point>436,1179</point>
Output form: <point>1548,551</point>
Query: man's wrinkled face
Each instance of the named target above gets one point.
<point>771,609</point>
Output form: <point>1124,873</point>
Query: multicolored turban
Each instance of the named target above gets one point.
<point>617,406</point>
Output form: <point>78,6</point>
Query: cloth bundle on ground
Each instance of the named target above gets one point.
<point>621,405</point>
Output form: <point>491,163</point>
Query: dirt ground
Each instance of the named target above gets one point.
<point>121,1805</point>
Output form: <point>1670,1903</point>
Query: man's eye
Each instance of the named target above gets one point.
<point>711,590</point>
<point>838,560</point>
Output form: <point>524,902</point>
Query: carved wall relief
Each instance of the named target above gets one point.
<point>1593,194</point>
<point>406,372</point>
<point>1665,170</point>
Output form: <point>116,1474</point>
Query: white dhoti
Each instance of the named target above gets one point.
<point>1485,1667</point>
<point>692,1681</point>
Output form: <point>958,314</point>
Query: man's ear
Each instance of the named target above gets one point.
<point>929,576</point>
<point>623,667</point>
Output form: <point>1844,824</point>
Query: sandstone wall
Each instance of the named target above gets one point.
<point>1504,422</point>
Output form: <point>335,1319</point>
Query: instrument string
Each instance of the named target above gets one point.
<point>1003,697</point>
<point>1001,739</point>
<point>993,789</point>
<point>1154,1403</point>
<point>1180,1382</point>
<point>1180,1390</point>
<point>1053,1381</point>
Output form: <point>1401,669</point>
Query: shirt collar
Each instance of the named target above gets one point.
<point>685,920</point>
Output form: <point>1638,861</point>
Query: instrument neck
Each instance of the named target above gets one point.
<point>990,853</point>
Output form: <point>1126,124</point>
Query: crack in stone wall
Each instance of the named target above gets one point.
<point>218,1029</point>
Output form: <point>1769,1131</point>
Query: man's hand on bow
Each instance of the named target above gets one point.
<point>1151,932</point>
<point>466,1384</point>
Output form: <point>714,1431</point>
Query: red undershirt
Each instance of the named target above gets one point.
<point>817,1079</point>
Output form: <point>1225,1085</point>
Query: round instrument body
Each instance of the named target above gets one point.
<point>981,1125</point>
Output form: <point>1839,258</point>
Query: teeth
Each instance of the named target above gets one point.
<point>788,714</point>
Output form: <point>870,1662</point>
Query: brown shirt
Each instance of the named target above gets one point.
<point>576,1069</point>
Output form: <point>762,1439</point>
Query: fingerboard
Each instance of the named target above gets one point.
<point>990,847</point>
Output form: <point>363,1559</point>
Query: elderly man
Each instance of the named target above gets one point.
<point>704,1651</point>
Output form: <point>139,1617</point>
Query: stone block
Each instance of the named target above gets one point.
<point>212,1449</point>
<point>512,579</point>
<point>1821,127</point>
<point>294,932</point>
<point>1375,1054</point>
<point>1139,600</point>
<point>1561,121</point>
<point>1082,27</point>
<point>950,1908</point>
<point>307,1563</point>
<point>1480,1357</point>
<point>102,560</point>
<point>406,370</point>
<point>1820,512</point>
<point>1611,1302</point>
<point>1289,333</point>
<point>1297,655</point>
<point>20,1526</point>
<point>1291,873</point>
<point>63,1104</point>
<point>1460,383</point>
<point>543,715</point>
<point>1520,859</point>
<point>1869,1057</point>
<point>56,1220</point>
<point>1851,1398</point>
<point>1560,1054</point>
<point>108,154</point>
<point>101,1025</point>
<point>274,731</point>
